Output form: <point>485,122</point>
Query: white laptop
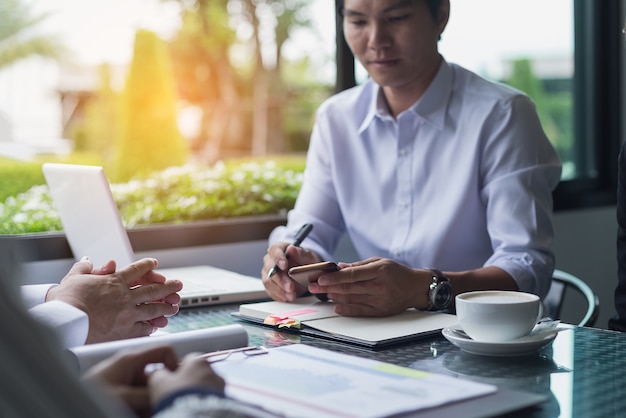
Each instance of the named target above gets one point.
<point>94,228</point>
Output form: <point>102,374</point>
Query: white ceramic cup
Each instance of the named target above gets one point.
<point>497,315</point>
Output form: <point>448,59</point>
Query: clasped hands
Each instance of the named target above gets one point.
<point>130,302</point>
<point>372,287</point>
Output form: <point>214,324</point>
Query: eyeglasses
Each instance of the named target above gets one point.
<point>216,356</point>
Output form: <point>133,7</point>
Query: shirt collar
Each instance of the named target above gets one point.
<point>430,107</point>
<point>377,107</point>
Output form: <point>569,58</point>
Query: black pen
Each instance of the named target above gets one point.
<point>300,236</point>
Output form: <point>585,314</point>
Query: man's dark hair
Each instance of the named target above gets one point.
<point>433,8</point>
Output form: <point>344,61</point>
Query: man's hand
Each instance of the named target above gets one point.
<point>124,375</point>
<point>130,302</point>
<point>280,286</point>
<point>193,372</point>
<point>381,287</point>
<point>374,287</point>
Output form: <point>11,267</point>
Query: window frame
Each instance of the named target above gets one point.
<point>597,101</point>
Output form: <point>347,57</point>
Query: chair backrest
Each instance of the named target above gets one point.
<point>562,282</point>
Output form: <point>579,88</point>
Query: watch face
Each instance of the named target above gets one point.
<point>442,295</point>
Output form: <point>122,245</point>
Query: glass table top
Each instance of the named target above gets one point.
<point>582,373</point>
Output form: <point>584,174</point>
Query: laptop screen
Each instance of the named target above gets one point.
<point>89,215</point>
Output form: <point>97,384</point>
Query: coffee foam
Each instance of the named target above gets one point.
<point>498,297</point>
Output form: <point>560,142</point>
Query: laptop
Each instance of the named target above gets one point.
<point>94,228</point>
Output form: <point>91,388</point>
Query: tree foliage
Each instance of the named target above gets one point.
<point>241,99</point>
<point>150,139</point>
<point>101,124</point>
<point>204,73</point>
<point>17,39</point>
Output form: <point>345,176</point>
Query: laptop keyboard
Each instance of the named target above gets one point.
<point>191,319</point>
<point>195,287</point>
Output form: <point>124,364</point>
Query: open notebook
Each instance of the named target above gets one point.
<point>309,316</point>
<point>94,228</point>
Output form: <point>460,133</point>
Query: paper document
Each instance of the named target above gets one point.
<point>201,341</point>
<point>309,382</point>
<point>319,319</point>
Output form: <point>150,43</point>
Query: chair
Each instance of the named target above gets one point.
<point>563,282</point>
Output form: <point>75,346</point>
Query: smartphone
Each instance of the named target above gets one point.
<point>309,273</point>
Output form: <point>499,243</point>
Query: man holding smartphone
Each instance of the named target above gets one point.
<point>442,180</point>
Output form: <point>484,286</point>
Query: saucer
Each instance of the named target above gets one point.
<point>520,347</point>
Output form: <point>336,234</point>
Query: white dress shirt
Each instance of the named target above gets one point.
<point>462,179</point>
<point>70,324</point>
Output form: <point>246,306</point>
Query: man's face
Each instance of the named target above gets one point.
<point>395,40</point>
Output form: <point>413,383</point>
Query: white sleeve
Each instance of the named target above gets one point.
<point>69,323</point>
<point>35,294</point>
<point>36,380</point>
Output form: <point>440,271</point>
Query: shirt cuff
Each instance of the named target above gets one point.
<point>69,323</point>
<point>35,294</point>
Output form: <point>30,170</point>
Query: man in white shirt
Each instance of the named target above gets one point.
<point>427,167</point>
<point>95,305</point>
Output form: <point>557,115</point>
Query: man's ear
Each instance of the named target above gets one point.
<point>443,15</point>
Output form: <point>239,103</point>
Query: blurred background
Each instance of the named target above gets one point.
<point>156,83</point>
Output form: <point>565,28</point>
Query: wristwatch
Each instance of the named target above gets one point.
<point>439,291</point>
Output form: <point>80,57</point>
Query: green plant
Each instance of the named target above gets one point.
<point>29,212</point>
<point>175,195</point>
<point>149,138</point>
<point>17,177</point>
<point>101,123</point>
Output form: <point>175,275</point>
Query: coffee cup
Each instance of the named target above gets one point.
<point>497,315</point>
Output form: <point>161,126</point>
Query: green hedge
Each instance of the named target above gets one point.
<point>177,194</point>
<point>17,177</point>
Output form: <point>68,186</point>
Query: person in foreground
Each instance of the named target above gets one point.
<point>180,389</point>
<point>93,305</point>
<point>37,381</point>
<point>441,179</point>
